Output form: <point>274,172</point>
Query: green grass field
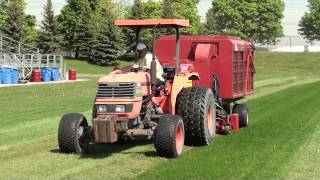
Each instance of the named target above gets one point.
<point>281,143</point>
<point>84,68</point>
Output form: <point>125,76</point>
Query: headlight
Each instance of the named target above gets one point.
<point>102,108</point>
<point>138,92</point>
<point>120,108</point>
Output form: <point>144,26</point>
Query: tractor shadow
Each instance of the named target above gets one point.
<point>99,151</point>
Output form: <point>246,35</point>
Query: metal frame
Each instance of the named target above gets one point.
<point>28,62</point>
<point>27,58</point>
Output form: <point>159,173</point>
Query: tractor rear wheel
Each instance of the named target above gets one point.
<point>169,136</point>
<point>243,111</point>
<point>196,106</point>
<point>74,134</point>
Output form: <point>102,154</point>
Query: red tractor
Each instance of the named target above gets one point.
<point>204,76</point>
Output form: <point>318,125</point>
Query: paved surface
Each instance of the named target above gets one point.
<point>39,83</point>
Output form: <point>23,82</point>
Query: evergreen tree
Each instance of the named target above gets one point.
<point>85,32</point>
<point>3,11</point>
<point>14,22</point>
<point>49,39</point>
<point>108,44</point>
<point>137,11</point>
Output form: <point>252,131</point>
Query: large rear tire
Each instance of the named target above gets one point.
<point>169,136</point>
<point>243,111</point>
<point>73,134</point>
<point>196,106</point>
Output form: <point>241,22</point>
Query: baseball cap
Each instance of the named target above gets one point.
<point>141,46</point>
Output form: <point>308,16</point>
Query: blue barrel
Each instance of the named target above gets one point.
<point>6,75</point>
<point>54,74</point>
<point>46,74</point>
<point>14,75</point>
<point>0,75</point>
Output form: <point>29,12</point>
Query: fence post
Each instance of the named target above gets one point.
<point>1,43</point>
<point>19,48</point>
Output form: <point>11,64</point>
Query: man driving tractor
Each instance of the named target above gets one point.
<point>144,60</point>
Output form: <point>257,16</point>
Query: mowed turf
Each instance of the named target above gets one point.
<point>281,125</point>
<point>273,147</point>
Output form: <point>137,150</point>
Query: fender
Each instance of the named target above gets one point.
<point>179,82</point>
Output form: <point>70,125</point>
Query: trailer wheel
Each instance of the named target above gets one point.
<point>196,106</point>
<point>73,134</point>
<point>243,111</point>
<point>169,136</point>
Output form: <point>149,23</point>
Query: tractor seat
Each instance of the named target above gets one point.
<point>169,72</point>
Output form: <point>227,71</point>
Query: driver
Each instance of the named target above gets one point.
<point>145,59</point>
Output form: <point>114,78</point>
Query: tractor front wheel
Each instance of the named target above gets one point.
<point>74,134</point>
<point>243,111</point>
<point>169,136</point>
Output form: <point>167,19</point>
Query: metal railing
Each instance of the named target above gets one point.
<point>9,45</point>
<point>27,58</point>
<point>28,62</point>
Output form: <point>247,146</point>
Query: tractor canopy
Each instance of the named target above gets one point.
<point>150,23</point>
<point>154,24</point>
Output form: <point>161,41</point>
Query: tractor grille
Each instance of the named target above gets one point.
<point>116,90</point>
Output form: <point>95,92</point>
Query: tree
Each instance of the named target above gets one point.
<point>85,32</point>
<point>259,20</point>
<point>152,10</point>
<point>310,22</point>
<point>187,9</point>
<point>79,22</point>
<point>108,44</point>
<point>3,11</point>
<point>49,38</point>
<point>31,33</point>
<point>137,10</point>
<point>14,25</point>
<point>168,10</point>
<point>68,20</point>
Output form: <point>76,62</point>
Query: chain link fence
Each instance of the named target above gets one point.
<point>291,44</point>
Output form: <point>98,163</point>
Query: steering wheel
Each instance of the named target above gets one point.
<point>140,69</point>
